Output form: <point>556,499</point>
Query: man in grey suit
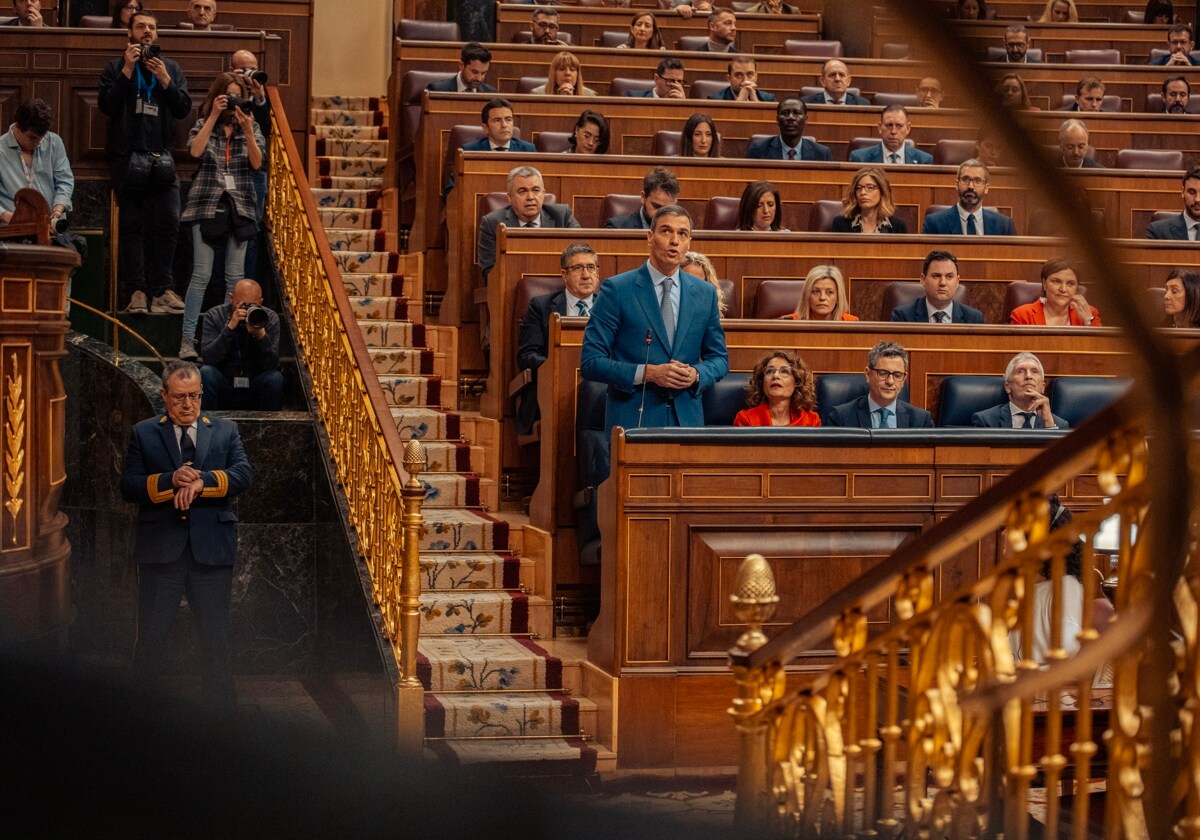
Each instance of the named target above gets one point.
<point>1186,224</point>
<point>893,150</point>
<point>1073,142</point>
<point>526,195</point>
<point>1028,407</point>
<point>660,187</point>
<point>473,64</point>
<point>835,80</point>
<point>882,408</point>
<point>791,115</point>
<point>939,279</point>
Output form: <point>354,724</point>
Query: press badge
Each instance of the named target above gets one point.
<point>148,109</point>
<point>241,382</point>
<point>230,183</point>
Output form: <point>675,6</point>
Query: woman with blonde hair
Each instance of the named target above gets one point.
<point>867,206</point>
<point>823,297</point>
<point>782,391</point>
<point>700,267</point>
<point>564,79</point>
<point>1059,11</point>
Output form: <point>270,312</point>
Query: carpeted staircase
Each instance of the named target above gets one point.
<point>493,695</point>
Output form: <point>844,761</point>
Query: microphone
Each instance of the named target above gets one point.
<point>645,365</point>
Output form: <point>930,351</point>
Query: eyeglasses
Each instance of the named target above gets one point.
<point>546,27</point>
<point>782,371</point>
<point>889,375</point>
<point>866,188</point>
<point>971,182</point>
<point>180,399</point>
<point>583,268</point>
<point>929,90</point>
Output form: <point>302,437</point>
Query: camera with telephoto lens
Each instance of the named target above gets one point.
<point>256,316</point>
<point>151,51</point>
<point>257,75</point>
<point>60,225</point>
<point>232,102</point>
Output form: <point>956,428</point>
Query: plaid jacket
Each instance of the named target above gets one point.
<point>209,183</point>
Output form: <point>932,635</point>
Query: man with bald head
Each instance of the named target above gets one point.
<point>202,14</point>
<point>239,344</point>
<point>1073,141</point>
<point>835,82</point>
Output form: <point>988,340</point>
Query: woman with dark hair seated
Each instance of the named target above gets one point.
<point>122,11</point>
<point>782,391</point>
<point>1062,303</point>
<point>1181,300</point>
<point>700,137</point>
<point>867,205</point>
<point>760,208</point>
<point>590,136</point>
<point>971,10</point>
<point>643,33</point>
<point>1159,12</point>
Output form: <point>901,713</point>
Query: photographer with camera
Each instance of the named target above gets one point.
<point>220,205</point>
<point>239,344</point>
<point>246,63</point>
<point>143,94</point>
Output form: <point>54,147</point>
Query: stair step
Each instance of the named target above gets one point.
<point>353,147</point>
<point>348,132</point>
<point>348,182</point>
<point>350,217</point>
<point>425,423</point>
<point>419,391</point>
<point>463,530</point>
<point>341,166</point>
<point>467,571</point>
<point>485,612</point>
<point>494,663</point>
<point>358,240</point>
<point>392,333</point>
<point>453,490</point>
<point>367,262</point>
<point>361,284</point>
<point>347,103</point>
<point>402,360</point>
<point>499,714</point>
<point>453,456</point>
<point>382,308</point>
<point>329,116</point>
<point>517,757</point>
<point>361,199</point>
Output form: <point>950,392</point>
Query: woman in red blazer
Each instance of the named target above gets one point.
<point>1062,303</point>
<point>782,391</point>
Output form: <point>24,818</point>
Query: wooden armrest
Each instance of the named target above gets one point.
<point>481,295</point>
<point>519,382</point>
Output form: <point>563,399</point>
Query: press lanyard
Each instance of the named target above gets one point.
<point>149,87</point>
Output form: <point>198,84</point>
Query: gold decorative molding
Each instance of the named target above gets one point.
<point>14,442</point>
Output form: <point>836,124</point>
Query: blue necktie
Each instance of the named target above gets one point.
<point>885,418</point>
<point>582,307</point>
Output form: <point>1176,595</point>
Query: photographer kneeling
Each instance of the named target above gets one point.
<point>239,344</point>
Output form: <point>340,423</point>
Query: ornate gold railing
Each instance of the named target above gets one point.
<point>363,442</point>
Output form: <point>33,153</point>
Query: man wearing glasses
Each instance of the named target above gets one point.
<point>881,407</point>
<point>939,279</point>
<point>581,277</point>
<point>183,469</point>
<point>968,216</point>
<point>544,28</point>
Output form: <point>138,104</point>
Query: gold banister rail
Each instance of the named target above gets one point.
<point>364,444</point>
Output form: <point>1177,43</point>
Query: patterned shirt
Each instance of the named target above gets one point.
<point>209,184</point>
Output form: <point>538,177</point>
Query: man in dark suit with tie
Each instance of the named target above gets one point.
<point>473,64</point>
<point>969,216</point>
<point>1180,44</point>
<point>668,81</point>
<point>892,149</point>
<point>1028,407</point>
<point>183,469</point>
<point>742,73</point>
<point>660,187</point>
<point>655,336</point>
<point>1183,226</point>
<point>791,115</point>
<point>1073,138</point>
<point>1089,96</point>
<point>526,196</point>
<point>882,408</point>
<point>939,279</point>
<point>581,277</point>
<point>835,81</point>
<point>499,126</point>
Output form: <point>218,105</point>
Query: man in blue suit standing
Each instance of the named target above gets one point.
<point>742,73</point>
<point>183,469</point>
<point>1028,407</point>
<point>791,115</point>
<point>660,188</point>
<point>881,407</point>
<point>939,279</point>
<point>655,335</point>
<point>473,64</point>
<point>1187,224</point>
<point>894,129</point>
<point>969,216</point>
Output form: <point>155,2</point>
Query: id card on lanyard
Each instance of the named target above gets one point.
<point>230,183</point>
<point>145,101</point>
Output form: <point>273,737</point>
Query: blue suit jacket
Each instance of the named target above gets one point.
<point>649,93</point>
<point>874,154</point>
<point>857,414</point>
<point>614,344</point>
<point>1163,59</point>
<point>485,145</point>
<point>918,312</point>
<point>727,94</point>
<point>850,99</point>
<point>1172,228</point>
<point>1000,417</point>
<point>151,456</point>
<point>451,86</point>
<point>946,223</point>
<point>632,221</point>
<point>773,150</point>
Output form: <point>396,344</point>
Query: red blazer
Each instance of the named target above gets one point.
<point>791,316</point>
<point>760,415</point>
<point>1035,314</point>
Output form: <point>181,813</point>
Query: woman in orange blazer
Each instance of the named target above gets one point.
<point>782,391</point>
<point>1062,303</point>
<point>823,297</point>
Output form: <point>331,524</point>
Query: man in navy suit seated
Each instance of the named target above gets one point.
<point>1180,43</point>
<point>498,129</point>
<point>939,279</point>
<point>668,81</point>
<point>791,115</point>
<point>660,187</point>
<point>1073,142</point>
<point>743,83</point>
<point>882,408</point>
<point>894,128</point>
<point>1186,224</point>
<point>1028,407</point>
<point>581,277</point>
<point>473,63</point>
<point>968,216</point>
<point>526,195</point>
<point>183,468</point>
<point>1089,96</point>
<point>835,79</point>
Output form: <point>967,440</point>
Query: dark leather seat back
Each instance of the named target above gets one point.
<point>1076,398</point>
<point>1020,293</point>
<point>622,86</point>
<point>1167,159</point>
<point>953,152</point>
<point>908,100</point>
<point>725,399</point>
<point>721,213</point>
<point>619,205</point>
<point>495,200</point>
<point>96,21</point>
<point>1092,56</point>
<point>411,87</point>
<point>704,88</point>
<point>776,298</point>
<point>552,141</point>
<point>896,51</point>
<point>529,287</point>
<point>1111,103</point>
<point>667,143</point>
<point>998,53</point>
<point>813,49</point>
<point>428,30</point>
<point>834,389</point>
<point>962,396</point>
<point>527,84</point>
<point>1156,105</point>
<point>691,43</point>
<point>612,39</point>
<point>824,211</point>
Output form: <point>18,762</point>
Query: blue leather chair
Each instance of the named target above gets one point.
<point>834,389</point>
<point>962,396</point>
<point>724,400</point>
<point>592,465</point>
<point>1076,398</point>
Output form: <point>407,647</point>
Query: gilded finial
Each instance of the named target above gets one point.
<point>414,459</point>
<point>754,599</point>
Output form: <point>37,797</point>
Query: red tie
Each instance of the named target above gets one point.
<point>791,154</point>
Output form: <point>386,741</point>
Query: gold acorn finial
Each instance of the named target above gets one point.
<point>414,459</point>
<point>754,599</point>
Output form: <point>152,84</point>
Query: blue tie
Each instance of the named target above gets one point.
<point>885,418</point>
<point>582,307</point>
<point>972,230</point>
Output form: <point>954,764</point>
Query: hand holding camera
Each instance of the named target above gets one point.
<point>254,316</point>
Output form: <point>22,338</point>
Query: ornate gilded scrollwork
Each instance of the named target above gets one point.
<point>14,443</point>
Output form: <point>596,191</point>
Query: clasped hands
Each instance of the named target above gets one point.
<point>188,484</point>
<point>674,374</point>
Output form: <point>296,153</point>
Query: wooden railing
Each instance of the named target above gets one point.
<point>363,441</point>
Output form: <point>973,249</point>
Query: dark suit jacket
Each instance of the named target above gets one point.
<point>1163,59</point>
<point>1088,163</point>
<point>773,150</point>
<point>918,312</point>
<point>727,94</point>
<point>553,216</point>
<point>850,99</point>
<point>451,86</point>
<point>163,532</point>
<point>1172,228</point>
<point>632,221</point>
<point>1000,417</point>
<point>946,223</point>
<point>533,339</point>
<point>843,225</point>
<point>485,145</point>
<point>857,414</point>
<point>647,93</point>
<point>874,154</point>
<point>614,345</point>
